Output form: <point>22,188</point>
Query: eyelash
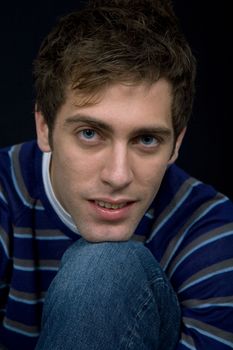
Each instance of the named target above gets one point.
<point>97,136</point>
<point>154,143</point>
<point>87,130</point>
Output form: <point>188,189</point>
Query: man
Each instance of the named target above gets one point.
<point>114,86</point>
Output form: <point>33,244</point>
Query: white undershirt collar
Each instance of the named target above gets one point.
<point>61,212</point>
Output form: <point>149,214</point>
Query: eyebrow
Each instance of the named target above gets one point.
<point>96,123</point>
<point>78,118</point>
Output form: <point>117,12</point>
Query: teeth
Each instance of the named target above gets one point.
<point>109,205</point>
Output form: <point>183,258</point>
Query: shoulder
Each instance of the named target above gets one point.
<point>19,153</point>
<point>186,194</point>
<point>186,209</point>
<point>193,238</point>
<point>19,168</point>
<point>26,148</point>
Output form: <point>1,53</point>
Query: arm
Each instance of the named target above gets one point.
<point>202,274</point>
<point>5,257</point>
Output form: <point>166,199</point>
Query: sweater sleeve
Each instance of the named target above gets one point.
<point>202,274</point>
<point>5,254</point>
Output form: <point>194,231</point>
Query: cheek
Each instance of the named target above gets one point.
<point>72,172</point>
<point>70,162</point>
<point>150,175</point>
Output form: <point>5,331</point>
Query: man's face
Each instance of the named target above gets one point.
<point>108,159</point>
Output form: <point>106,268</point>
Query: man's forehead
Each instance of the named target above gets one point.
<point>88,97</point>
<point>134,106</point>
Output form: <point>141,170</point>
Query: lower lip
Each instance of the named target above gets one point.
<point>111,214</point>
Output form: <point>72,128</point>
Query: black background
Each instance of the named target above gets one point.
<point>207,149</point>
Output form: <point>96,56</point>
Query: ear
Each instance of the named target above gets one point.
<point>42,132</point>
<point>177,146</point>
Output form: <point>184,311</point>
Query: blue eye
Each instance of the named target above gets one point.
<point>148,140</point>
<point>88,134</point>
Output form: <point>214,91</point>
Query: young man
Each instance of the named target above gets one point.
<point>114,85</point>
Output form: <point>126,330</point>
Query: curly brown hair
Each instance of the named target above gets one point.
<point>109,41</point>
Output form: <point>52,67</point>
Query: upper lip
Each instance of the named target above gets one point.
<point>114,201</point>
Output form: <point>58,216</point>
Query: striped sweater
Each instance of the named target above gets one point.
<point>188,228</point>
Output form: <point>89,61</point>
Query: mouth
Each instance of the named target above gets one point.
<point>107,210</point>
<point>109,205</point>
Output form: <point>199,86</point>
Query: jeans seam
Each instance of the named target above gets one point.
<point>129,334</point>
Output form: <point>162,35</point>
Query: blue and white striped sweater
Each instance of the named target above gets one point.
<point>188,228</point>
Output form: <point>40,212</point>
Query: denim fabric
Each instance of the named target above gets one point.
<point>109,296</point>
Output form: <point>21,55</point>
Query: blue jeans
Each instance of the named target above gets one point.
<point>109,296</point>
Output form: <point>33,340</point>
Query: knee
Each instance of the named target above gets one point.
<point>98,271</point>
<point>83,255</point>
<point>86,258</point>
<point>124,274</point>
<point>127,262</point>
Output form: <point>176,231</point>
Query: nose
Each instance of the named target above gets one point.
<point>117,171</point>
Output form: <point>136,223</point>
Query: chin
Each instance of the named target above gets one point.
<point>108,237</point>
